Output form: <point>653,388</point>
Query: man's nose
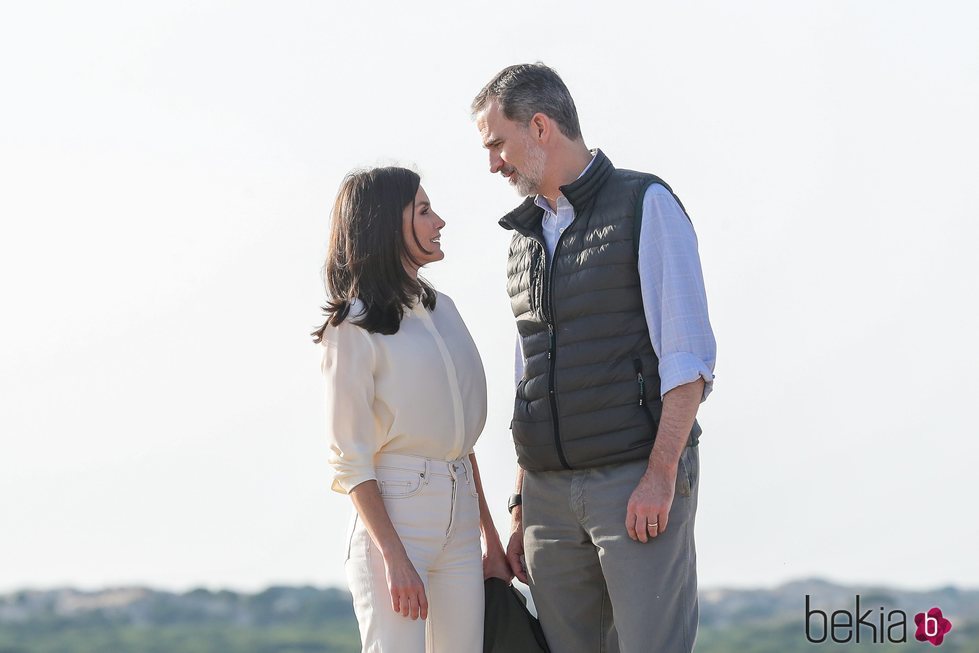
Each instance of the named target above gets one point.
<point>496,163</point>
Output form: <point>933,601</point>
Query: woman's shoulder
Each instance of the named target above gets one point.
<point>446,304</point>
<point>348,329</point>
<point>348,341</point>
<point>441,299</point>
<point>446,308</point>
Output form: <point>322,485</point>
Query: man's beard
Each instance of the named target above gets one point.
<point>529,181</point>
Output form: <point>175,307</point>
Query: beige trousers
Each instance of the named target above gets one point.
<point>434,508</point>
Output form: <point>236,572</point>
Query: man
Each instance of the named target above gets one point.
<point>615,355</point>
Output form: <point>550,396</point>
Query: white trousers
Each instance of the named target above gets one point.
<point>433,506</point>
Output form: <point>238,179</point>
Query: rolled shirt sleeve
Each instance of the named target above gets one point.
<point>348,367</point>
<point>674,298</point>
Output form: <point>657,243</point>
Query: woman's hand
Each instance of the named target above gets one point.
<point>406,587</point>
<point>495,564</point>
<point>494,560</point>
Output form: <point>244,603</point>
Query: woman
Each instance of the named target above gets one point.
<point>406,400</point>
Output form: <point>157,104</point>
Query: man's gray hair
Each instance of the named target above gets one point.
<point>529,88</point>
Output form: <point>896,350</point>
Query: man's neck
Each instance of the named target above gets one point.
<point>568,166</point>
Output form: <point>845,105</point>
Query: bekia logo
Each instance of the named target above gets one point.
<point>873,625</point>
<point>932,626</point>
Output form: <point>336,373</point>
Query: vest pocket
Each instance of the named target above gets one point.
<point>519,391</point>
<point>521,407</point>
<point>641,394</point>
<point>535,272</point>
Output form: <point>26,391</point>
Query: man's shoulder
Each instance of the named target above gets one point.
<point>637,178</point>
<point>631,186</point>
<point>644,185</point>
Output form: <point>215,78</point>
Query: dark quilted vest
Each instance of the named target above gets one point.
<point>590,393</point>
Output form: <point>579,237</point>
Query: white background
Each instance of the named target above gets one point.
<point>166,175</point>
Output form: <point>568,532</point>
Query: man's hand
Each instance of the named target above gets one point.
<point>514,549</point>
<point>649,506</point>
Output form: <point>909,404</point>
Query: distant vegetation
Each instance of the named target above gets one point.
<point>310,620</point>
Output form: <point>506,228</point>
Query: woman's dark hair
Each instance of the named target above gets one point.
<point>366,254</point>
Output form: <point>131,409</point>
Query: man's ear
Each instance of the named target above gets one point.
<point>540,127</point>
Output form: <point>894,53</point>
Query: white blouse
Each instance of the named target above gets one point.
<point>421,391</point>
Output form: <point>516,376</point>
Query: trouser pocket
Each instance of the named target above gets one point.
<point>470,477</point>
<point>686,474</point>
<point>399,483</point>
<point>351,529</point>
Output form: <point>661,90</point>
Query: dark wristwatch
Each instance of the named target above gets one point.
<point>515,500</point>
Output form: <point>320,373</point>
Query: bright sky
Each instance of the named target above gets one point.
<point>166,174</point>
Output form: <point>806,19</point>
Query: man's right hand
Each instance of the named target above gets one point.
<point>514,549</point>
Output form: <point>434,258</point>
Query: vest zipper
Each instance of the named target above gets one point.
<point>552,351</point>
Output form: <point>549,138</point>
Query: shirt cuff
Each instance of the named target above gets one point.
<point>683,367</point>
<point>345,482</point>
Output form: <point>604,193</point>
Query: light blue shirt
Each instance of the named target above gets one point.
<point>672,286</point>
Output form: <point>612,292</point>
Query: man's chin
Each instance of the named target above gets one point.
<point>523,188</point>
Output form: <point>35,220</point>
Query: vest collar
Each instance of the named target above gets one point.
<point>526,218</point>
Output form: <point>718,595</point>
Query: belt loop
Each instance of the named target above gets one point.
<point>427,472</point>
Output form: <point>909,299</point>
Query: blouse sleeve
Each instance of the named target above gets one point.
<point>348,367</point>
